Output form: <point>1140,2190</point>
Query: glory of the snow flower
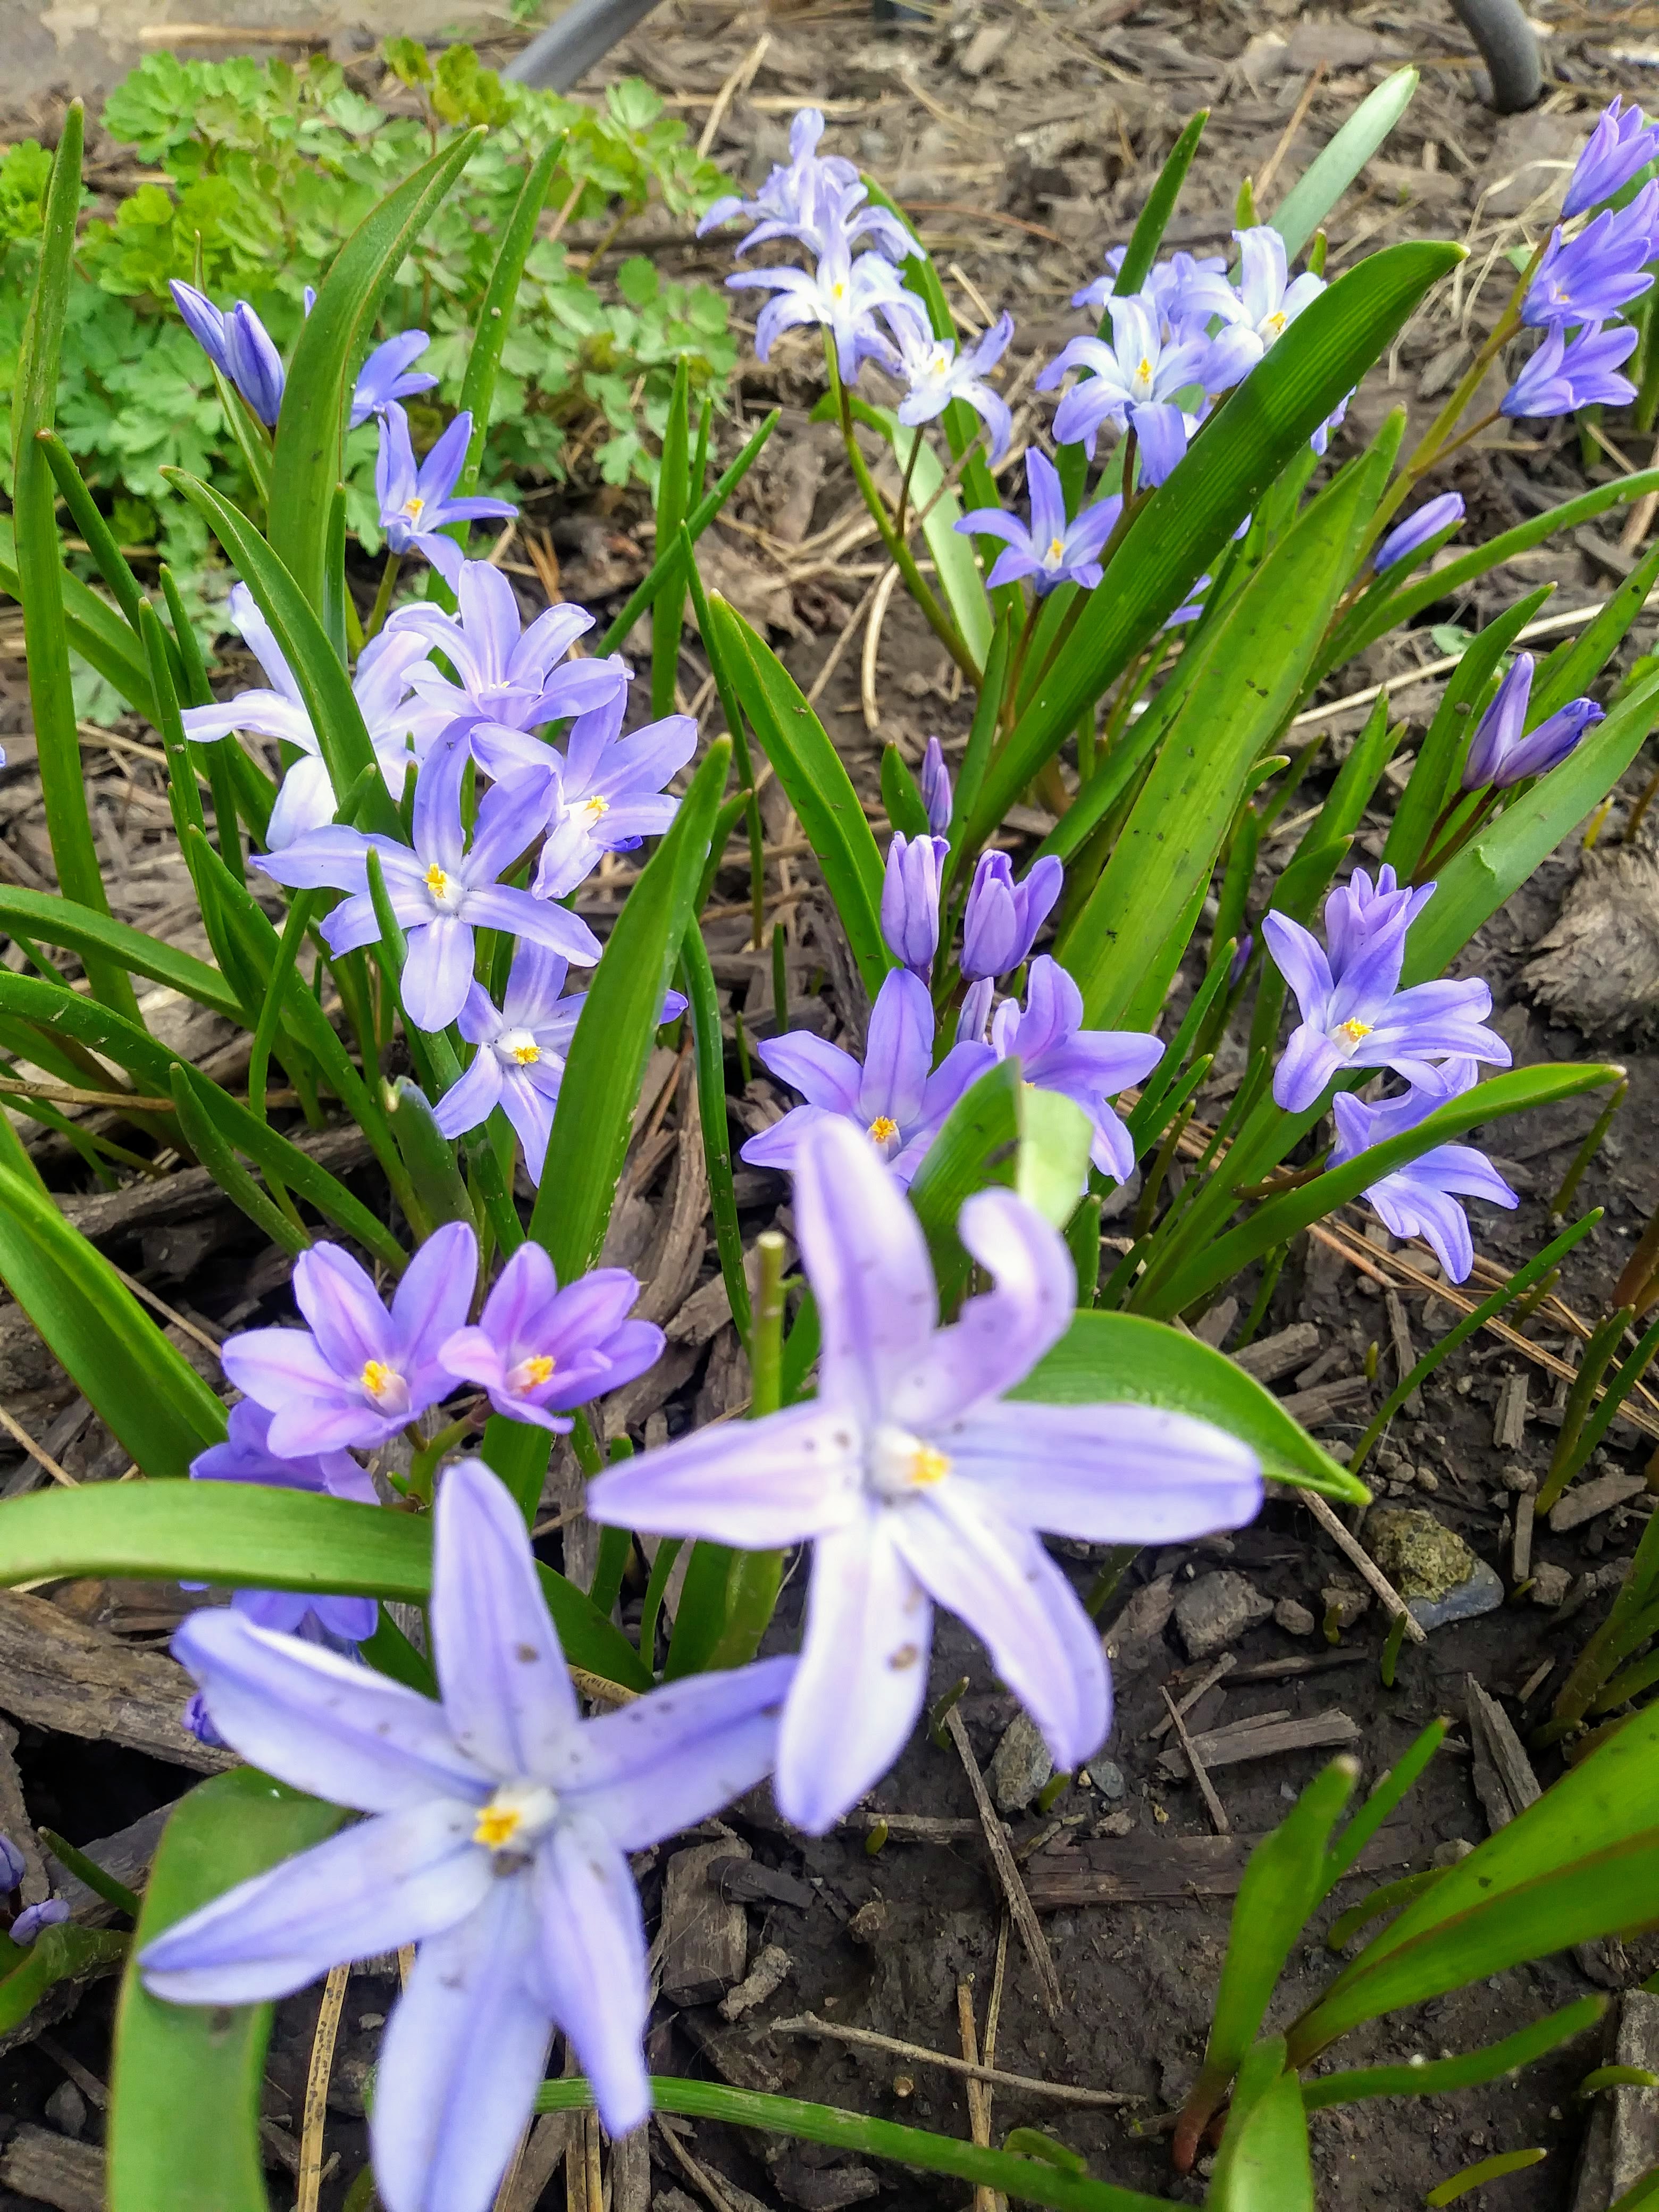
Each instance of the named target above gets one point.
<point>1050,551</point>
<point>1406,542</point>
<point>538,1351</point>
<point>612,791</point>
<point>501,675</point>
<point>1564,375</point>
<point>788,201</point>
<point>1620,148</point>
<point>918,1482</point>
<point>1502,750</point>
<point>1587,278</point>
<point>843,294</point>
<point>1001,919</point>
<point>1136,368</point>
<point>935,373</point>
<point>497,1838</point>
<point>1266,301</point>
<point>389,375</point>
<point>51,1912</point>
<point>418,504</point>
<point>1088,1066</point>
<point>909,900</point>
<point>1420,1199</point>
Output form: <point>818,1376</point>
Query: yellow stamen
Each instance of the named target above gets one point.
<point>377,1377</point>
<point>413,506</point>
<point>436,881</point>
<point>540,1368</point>
<point>928,1466</point>
<point>882,1130</point>
<point>1273,324</point>
<point>1056,549</point>
<point>1355,1032</point>
<point>526,1055</point>
<point>1144,372</point>
<point>497,1824</point>
<point>597,806</point>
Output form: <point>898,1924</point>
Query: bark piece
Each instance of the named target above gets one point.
<point>1270,1356</point>
<point>1009,1878</point>
<point>1599,964</point>
<point>1509,1421</point>
<point>630,2173</point>
<point>1622,2140</point>
<point>1504,1779</point>
<point>705,1939</point>
<point>1161,1869</point>
<point>1326,1401</point>
<point>50,2169</point>
<point>126,1855</point>
<point>1586,1499</point>
<point>58,1674</point>
<point>545,2147</point>
<point>1233,1747</point>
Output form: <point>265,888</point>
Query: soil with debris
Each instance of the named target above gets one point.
<point>1025,137</point>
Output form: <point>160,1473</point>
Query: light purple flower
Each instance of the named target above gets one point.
<point>897,1099</point>
<point>1137,367</point>
<point>918,1483</point>
<point>1166,285</point>
<point>1420,1199</point>
<point>443,889</point>
<point>416,505</point>
<point>787,205</point>
<point>936,788</point>
<point>974,1017</point>
<point>1162,432</point>
<point>1257,314</point>
<point>842,294</point>
<point>388,375</point>
<point>1407,541</point>
<point>1088,1066</point>
<point>1052,550</point>
<point>33,1918</point>
<point>359,1373</point>
<point>204,322</point>
<point>401,728</point>
<point>1353,1012</point>
<point>1503,752</point>
<point>256,367</point>
<point>909,900</point>
<point>499,1829</point>
<point>501,676</point>
<point>1587,278</point>
<point>1562,377</point>
<point>937,373</point>
<point>245,1456</point>
<point>13,1865</point>
<point>538,1350</point>
<point>1621,145</point>
<point>519,1062</point>
<point>610,789</point>
<point>1002,918</point>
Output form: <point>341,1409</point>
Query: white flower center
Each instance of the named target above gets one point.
<point>1143,379</point>
<point>899,1464</point>
<point>385,1387</point>
<point>414,506</point>
<point>530,1374</point>
<point>517,1048</point>
<point>519,1814</point>
<point>445,891</point>
<point>1272,326</point>
<point>1348,1036</point>
<point>1055,554</point>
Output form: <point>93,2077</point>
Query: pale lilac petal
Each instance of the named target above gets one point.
<point>670,1760</point>
<point>431,1302</point>
<point>866,1260</point>
<point>824,1074</point>
<point>438,971</point>
<point>779,1145</point>
<point>512,815</point>
<point>337,1298</point>
<point>1409,1209</point>
<point>468,1104</point>
<point>527,1100</point>
<point>590,1965</point>
<point>314,1409</point>
<point>1310,1061</point>
<point>464,2055</point>
<point>507,1692</point>
<point>753,1483</point>
<point>1010,565</point>
<point>1301,960</point>
<point>500,906</point>
<point>548,639</point>
<point>437,816</point>
<point>305,802</point>
<point>1105,1473</point>
<point>899,1050</point>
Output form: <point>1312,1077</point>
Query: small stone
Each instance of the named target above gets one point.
<point>1449,1855</point>
<point>1216,1610</point>
<point>1427,1479</point>
<point>1344,1602</point>
<point>761,1981</point>
<point>1136,1636</point>
<point>1020,1767</point>
<point>348,2083</point>
<point>869,1924</point>
<point>66,2108</point>
<point>1109,1778</point>
<point>1519,1478</point>
<point>1114,1823</point>
<point>1429,1564</point>
<point>1549,1584</point>
<point>1294,1618</point>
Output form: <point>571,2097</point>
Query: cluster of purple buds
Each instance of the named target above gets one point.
<point>23,1922</point>
<point>1503,752</point>
<point>243,351</point>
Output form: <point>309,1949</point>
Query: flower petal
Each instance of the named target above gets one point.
<point>1106,1474</point>
<point>438,973</point>
<point>673,1759</point>
<point>338,1298</point>
<point>430,1304</point>
<point>824,1074</point>
<point>790,1475</point>
<point>589,1965</point>
<point>1301,960</point>
<point>899,1051</point>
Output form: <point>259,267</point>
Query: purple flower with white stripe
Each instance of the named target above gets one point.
<point>937,373</point>
<point>497,1841</point>
<point>897,1099</point>
<point>1137,368</point>
<point>918,1483</point>
<point>538,1351</point>
<point>936,794</point>
<point>501,676</point>
<point>1051,551</point>
<point>359,1372</point>
<point>389,375</point>
<point>1587,278</point>
<point>1620,148</point>
<point>1088,1066</point>
<point>1420,1199</point>
<point>909,900</point>
<point>789,199</point>
<point>443,889</point>
<point>245,1456</point>
<point>1503,752</point>
<point>1564,375</point>
<point>1166,287</point>
<point>1353,1012</point>
<point>1407,541</point>
<point>417,504</point>
<point>1266,301</point>
<point>1002,918</point>
<point>611,790</point>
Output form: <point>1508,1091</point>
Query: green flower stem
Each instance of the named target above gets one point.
<point>752,1585</point>
<point>378,613</point>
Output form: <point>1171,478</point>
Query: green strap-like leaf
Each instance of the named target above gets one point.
<point>54,921</point>
<point>495,315</point>
<point>1264,2164</point>
<point>1444,2077</point>
<point>96,631</point>
<point>1325,179</point>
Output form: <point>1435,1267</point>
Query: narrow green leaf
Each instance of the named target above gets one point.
<point>1391,1791</point>
<point>1051,1167</point>
<point>495,315</point>
<point>1444,2077</point>
<point>102,637</point>
<point>1477,2176</point>
<point>54,921</point>
<point>1577,662</point>
<point>668,609</point>
<point>1330,174</point>
<point>1154,218</point>
<point>56,1955</point>
<point>222,1164</point>
<point>88,518</point>
<point>900,796</point>
<point>975,1145</point>
<point>700,1618</point>
<point>1264,2164</point>
<point>698,977</point>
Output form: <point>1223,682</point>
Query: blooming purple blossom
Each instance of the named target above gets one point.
<point>1406,540</point>
<point>918,1483</point>
<point>843,294</point>
<point>417,505</point>
<point>389,374</point>
<point>1136,368</point>
<point>1266,303</point>
<point>1620,148</point>
<point>1002,918</point>
<point>51,1913</point>
<point>936,373</point>
<point>909,900</point>
<point>1420,1199</point>
<point>1088,1066</point>
<point>501,676</point>
<point>936,794</point>
<point>359,1373</point>
<point>400,728</point>
<point>610,789</point>
<point>499,1826</point>
<point>519,1062</point>
<point>815,194</point>
<point>1052,550</point>
<point>1564,375</point>
<point>443,889</point>
<point>1353,1012</point>
<point>1587,278</point>
<point>538,1350</point>
<point>897,1099</point>
<point>1503,752</point>
<point>1166,287</point>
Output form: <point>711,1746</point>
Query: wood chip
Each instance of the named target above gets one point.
<point>1271,1357</point>
<point>1196,1767</point>
<point>49,2169</point>
<point>1161,1869</point>
<point>1233,1747</point>
<point>539,2157</point>
<point>126,1855</point>
<point>1206,1682</point>
<point>916,1827</point>
<point>1007,1874</point>
<point>192,1191</point>
<point>1509,1421</point>
<point>1586,1499</point>
<point>1405,1352</point>
<point>1520,1558</point>
<point>57,1674</point>
<point>15,1823</point>
<point>705,1939</point>
<point>1502,1775</point>
<point>630,2173</point>
<point>1326,1401</point>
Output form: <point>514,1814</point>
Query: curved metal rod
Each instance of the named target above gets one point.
<point>1508,46</point>
<point>562,55</point>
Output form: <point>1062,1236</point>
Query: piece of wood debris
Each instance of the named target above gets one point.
<point>57,1674</point>
<point>1504,1779</point>
<point>763,1980</point>
<point>1405,1352</point>
<point>1584,1500</point>
<point>808,2023</point>
<point>1349,1544</point>
<point>630,2173</point>
<point>1196,1767</point>
<point>540,2156</point>
<point>192,1191</point>
<point>1233,1747</point>
<point>1161,1869</point>
<point>50,2169</point>
<point>1212,1329</point>
<point>1326,1401</point>
<point>1206,1682</point>
<point>1007,1873</point>
<point>15,1823</point>
<point>1521,1557</point>
<point>1622,2139</point>
<point>1309,1663</point>
<point>1271,1357</point>
<point>916,1827</point>
<point>1509,1421</point>
<point>705,1938</point>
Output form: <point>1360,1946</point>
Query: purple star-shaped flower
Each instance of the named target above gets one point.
<point>1088,1066</point>
<point>897,1099</point>
<point>501,675</point>
<point>1001,919</point>
<point>389,375</point>
<point>1257,314</point>
<point>1353,1012</point>
<point>443,889</point>
<point>1503,752</point>
<point>1052,550</point>
<point>538,1350</point>
<point>936,373</point>
<point>499,1823</point>
<point>610,791</point>
<point>1562,376</point>
<point>1620,148</point>
<point>1420,1199</point>
<point>787,205</point>
<point>417,505</point>
<point>843,294</point>
<point>1137,368</point>
<point>1587,278</point>
<point>359,1373</point>
<point>917,1482</point>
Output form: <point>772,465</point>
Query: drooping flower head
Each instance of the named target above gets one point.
<point>1503,752</point>
<point>499,1823</point>
<point>1137,368</point>
<point>1564,375</point>
<point>936,373</point>
<point>501,676</point>
<point>1050,551</point>
<point>417,505</point>
<point>1001,919</point>
<point>1353,1012</point>
<point>1405,540</point>
<point>909,900</point>
<point>918,1482</point>
<point>538,1351</point>
<point>1088,1066</point>
<point>1420,1199</point>
<point>1257,314</point>
<point>1587,278</point>
<point>897,1099</point>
